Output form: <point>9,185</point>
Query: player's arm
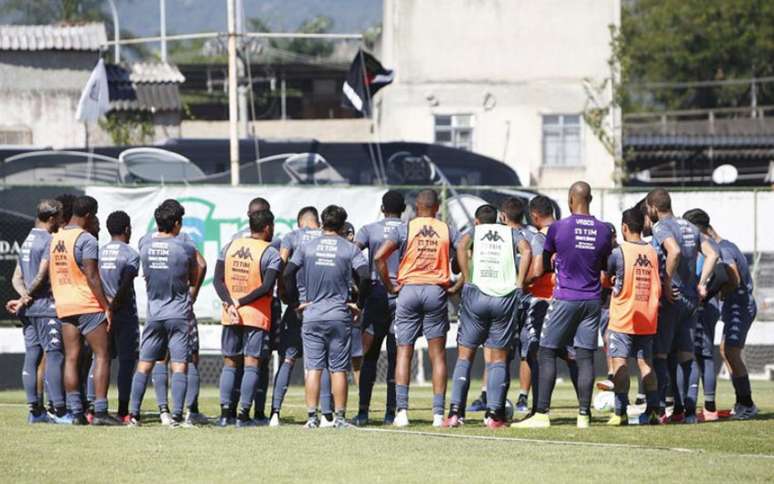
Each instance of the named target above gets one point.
<point>17,281</point>
<point>363,285</point>
<point>711,258</point>
<point>463,256</point>
<point>124,288</point>
<point>219,281</point>
<point>525,251</point>
<point>289,281</point>
<point>201,270</point>
<point>91,271</point>
<point>268,279</point>
<point>40,277</point>
<point>380,259</point>
<point>673,256</point>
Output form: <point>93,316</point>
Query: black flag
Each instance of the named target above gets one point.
<point>366,72</point>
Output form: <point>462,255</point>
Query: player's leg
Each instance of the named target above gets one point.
<point>525,372</point>
<point>33,354</point>
<point>290,350</point>
<point>193,415</point>
<point>357,353</point>
<point>160,379</point>
<point>557,331</point>
<point>435,325</point>
<point>372,347</point>
<point>706,359</point>
<point>326,398</point>
<point>231,347</point>
<point>54,367</point>
<point>264,376</point>
<point>685,354</point>
<point>662,346</point>
<point>585,342</point>
<point>253,341</point>
<point>314,336</point>
<point>339,349</point>
<point>392,356</point>
<point>95,332</point>
<point>472,331</point>
<point>71,339</point>
<point>619,347</point>
<point>644,353</point>
<point>408,326</point>
<point>179,332</point>
<point>497,345</point>
<point>737,324</point>
<point>608,384</point>
<point>153,347</point>
<point>125,339</point>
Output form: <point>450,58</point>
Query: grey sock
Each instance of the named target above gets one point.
<point>249,383</point>
<point>139,382</point>
<point>439,403</point>
<point>160,383</point>
<point>281,383</point>
<point>496,385</point>
<point>460,383</point>
<point>179,385</point>
<point>402,396</point>
<point>227,379</point>
<point>326,397</point>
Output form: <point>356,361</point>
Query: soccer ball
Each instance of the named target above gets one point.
<point>604,401</point>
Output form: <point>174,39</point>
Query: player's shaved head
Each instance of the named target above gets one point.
<point>579,197</point>
<point>308,217</point>
<point>660,200</point>
<point>257,204</point>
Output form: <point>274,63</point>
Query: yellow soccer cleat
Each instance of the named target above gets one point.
<point>537,421</point>
<point>584,421</point>
<point>618,420</point>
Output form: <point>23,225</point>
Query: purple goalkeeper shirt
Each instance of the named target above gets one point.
<point>582,245</point>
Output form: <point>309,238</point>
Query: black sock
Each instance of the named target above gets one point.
<point>163,409</point>
<point>610,376</point>
<point>746,400</point>
<point>35,409</point>
<point>483,396</point>
<point>328,416</point>
<point>454,410</point>
<point>710,406</point>
<point>60,411</point>
<point>225,411</point>
<point>311,414</point>
<point>547,378</point>
<point>244,414</point>
<point>341,414</point>
<point>194,408</point>
<point>123,408</point>
<point>585,360</point>
<point>275,411</point>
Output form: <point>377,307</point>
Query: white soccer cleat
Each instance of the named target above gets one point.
<point>437,421</point>
<point>327,424</point>
<point>401,419</point>
<point>274,421</point>
<point>605,386</point>
<point>166,419</point>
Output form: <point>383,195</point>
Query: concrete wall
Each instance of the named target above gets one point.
<point>529,57</point>
<point>328,130</point>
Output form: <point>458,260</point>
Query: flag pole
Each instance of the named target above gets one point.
<point>382,173</point>
<point>232,94</point>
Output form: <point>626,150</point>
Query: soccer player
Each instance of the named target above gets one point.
<point>738,313</point>
<point>245,276</point>
<point>607,385</point>
<point>680,243</point>
<point>35,308</point>
<point>328,262</point>
<point>291,347</point>
<point>379,311</point>
<point>633,315</point>
<point>490,305</point>
<point>82,307</point>
<point>171,275</point>
<point>119,264</point>
<point>582,245</point>
<point>423,285</point>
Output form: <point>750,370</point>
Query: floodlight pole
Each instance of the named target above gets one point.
<point>116,33</point>
<point>163,29</point>
<point>233,117</point>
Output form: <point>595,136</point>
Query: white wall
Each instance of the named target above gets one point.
<point>50,115</point>
<point>531,56</point>
<point>326,130</point>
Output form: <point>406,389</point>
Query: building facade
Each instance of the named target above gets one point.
<point>504,78</point>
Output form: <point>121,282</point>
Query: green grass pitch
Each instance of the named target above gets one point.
<point>711,452</point>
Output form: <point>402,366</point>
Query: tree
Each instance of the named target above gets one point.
<point>307,47</point>
<point>53,11</point>
<point>694,40</point>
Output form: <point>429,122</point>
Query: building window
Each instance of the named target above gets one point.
<point>455,130</point>
<point>561,140</point>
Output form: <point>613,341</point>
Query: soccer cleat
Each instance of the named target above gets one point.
<point>640,400</point>
<point>707,416</point>
<point>327,424</point>
<point>166,419</point>
<point>274,421</point>
<point>437,421</point>
<point>196,418</point>
<point>401,418</point>
<point>90,417</point>
<point>508,409</point>
<point>583,421</point>
<point>743,412</point>
<point>242,424</point>
<point>690,419</point>
<point>453,421</point>
<point>663,419</point>
<point>478,405</point>
<point>521,404</point>
<point>650,418</point>
<point>361,419</point>
<point>104,421</point>
<point>389,418</point>
<point>605,386</point>
<point>677,417</point>
<point>341,423</point>
<point>312,423</point>
<point>79,419</point>
<point>133,421</point>
<point>494,423</point>
<point>537,421</point>
<point>261,419</point>
<point>615,420</point>
<point>224,422</point>
<point>41,418</point>
<point>66,419</point>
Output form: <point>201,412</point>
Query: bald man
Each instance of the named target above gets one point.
<point>580,246</point>
<point>424,281</point>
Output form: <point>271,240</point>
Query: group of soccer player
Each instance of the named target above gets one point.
<point>539,292</point>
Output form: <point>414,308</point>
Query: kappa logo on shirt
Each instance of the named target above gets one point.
<point>243,253</point>
<point>60,247</point>
<point>492,236</point>
<point>642,261</point>
<point>428,231</point>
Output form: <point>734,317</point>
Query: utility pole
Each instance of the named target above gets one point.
<point>163,29</point>
<point>233,117</point>
<point>116,33</point>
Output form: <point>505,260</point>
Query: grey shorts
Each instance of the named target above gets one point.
<point>737,321</point>
<point>328,344</point>
<point>421,310</point>
<point>676,326</point>
<point>30,333</point>
<point>622,345</point>
<point>243,340</point>
<point>357,342</point>
<point>379,312</point>
<point>604,320</point>
<point>125,339</point>
<point>193,337</point>
<point>487,320</point>
<point>533,325</point>
<point>171,335</point>
<point>290,345</point>
<point>704,336</point>
<point>86,323</point>
<point>571,322</point>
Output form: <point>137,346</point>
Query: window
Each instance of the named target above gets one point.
<point>561,140</point>
<point>15,136</point>
<point>455,130</point>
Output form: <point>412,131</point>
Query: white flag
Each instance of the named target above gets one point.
<point>95,99</point>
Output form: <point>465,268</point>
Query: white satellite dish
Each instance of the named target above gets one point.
<point>725,174</point>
